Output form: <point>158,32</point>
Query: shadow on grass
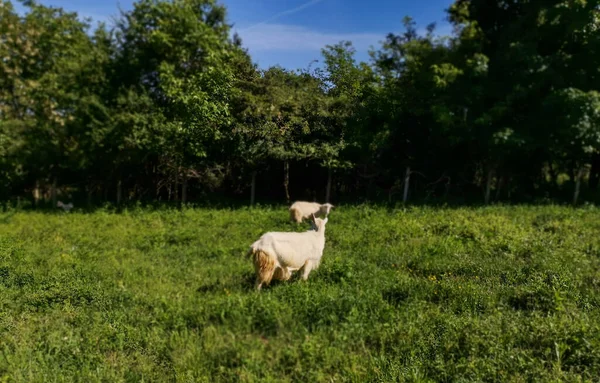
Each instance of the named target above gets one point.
<point>246,283</point>
<point>6,219</point>
<point>229,204</point>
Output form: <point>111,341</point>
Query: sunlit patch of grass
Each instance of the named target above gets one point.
<point>418,294</point>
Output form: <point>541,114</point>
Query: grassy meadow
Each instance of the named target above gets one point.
<point>507,294</point>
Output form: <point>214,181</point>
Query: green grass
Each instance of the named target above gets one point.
<point>489,294</point>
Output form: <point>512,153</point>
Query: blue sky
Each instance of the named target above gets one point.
<point>291,33</point>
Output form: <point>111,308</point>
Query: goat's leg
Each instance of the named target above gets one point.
<point>258,284</point>
<point>265,277</point>
<point>282,273</point>
<point>286,274</point>
<point>264,266</point>
<point>306,269</point>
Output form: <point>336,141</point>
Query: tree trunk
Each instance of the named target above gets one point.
<point>595,172</point>
<point>406,184</point>
<point>499,185</point>
<point>184,188</point>
<point>573,172</point>
<point>253,189</point>
<point>156,183</point>
<point>36,193</point>
<point>578,177</point>
<point>488,186</point>
<point>447,189</point>
<point>119,192</point>
<point>286,180</point>
<point>553,175</point>
<point>89,195</point>
<point>177,185</point>
<point>328,189</point>
<point>53,192</point>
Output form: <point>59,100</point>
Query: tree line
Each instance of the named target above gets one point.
<point>167,105</point>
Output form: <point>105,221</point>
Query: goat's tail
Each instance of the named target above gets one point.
<point>264,265</point>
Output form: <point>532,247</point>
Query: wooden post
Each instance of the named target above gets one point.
<point>36,193</point>
<point>406,184</point>
<point>286,180</point>
<point>579,175</point>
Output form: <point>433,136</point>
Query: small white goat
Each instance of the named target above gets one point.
<point>277,254</point>
<point>301,210</point>
<point>66,207</point>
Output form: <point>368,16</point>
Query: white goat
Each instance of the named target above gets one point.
<point>66,207</point>
<point>301,210</point>
<point>277,254</point>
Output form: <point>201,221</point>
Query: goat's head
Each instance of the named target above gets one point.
<point>318,224</point>
<point>326,208</point>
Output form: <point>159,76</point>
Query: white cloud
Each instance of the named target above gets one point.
<point>292,38</point>
<point>287,12</point>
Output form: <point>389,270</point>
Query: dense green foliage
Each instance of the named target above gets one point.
<point>167,103</point>
<point>488,294</point>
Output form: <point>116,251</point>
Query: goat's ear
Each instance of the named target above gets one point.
<point>313,222</point>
